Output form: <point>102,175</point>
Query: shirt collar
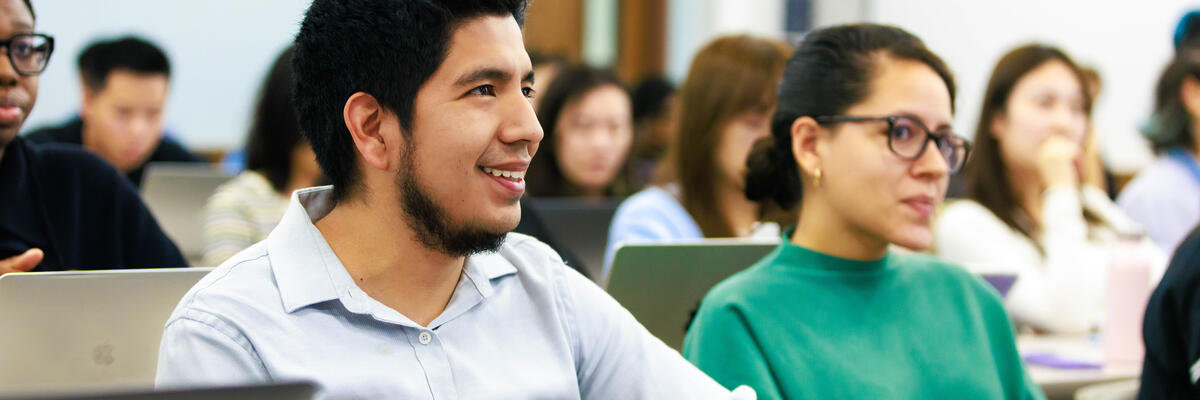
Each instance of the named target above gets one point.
<point>483,267</point>
<point>301,260</point>
<point>308,272</point>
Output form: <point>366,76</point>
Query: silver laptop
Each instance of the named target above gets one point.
<point>269,391</point>
<point>580,225</point>
<point>176,193</point>
<point>86,330</point>
<point>662,284</point>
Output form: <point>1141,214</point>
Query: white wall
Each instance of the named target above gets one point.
<point>693,23</point>
<point>220,52</point>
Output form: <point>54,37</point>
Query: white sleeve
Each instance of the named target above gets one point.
<point>1059,291</point>
<point>195,353</point>
<point>617,358</point>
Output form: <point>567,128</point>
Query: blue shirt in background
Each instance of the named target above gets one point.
<point>1165,199</point>
<point>651,215</point>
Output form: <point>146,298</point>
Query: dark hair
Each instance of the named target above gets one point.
<point>1187,31</point>
<point>386,48</point>
<point>568,87</point>
<point>1171,125</point>
<point>650,97</point>
<point>275,131</point>
<point>729,76</point>
<point>986,173</point>
<point>131,53</point>
<point>831,71</point>
<point>537,58</point>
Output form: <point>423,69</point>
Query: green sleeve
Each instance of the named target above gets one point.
<point>1004,346</point>
<point>721,344</point>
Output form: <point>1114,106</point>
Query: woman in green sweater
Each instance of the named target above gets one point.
<point>863,132</point>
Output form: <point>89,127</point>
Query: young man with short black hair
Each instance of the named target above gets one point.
<point>125,85</point>
<point>402,281</point>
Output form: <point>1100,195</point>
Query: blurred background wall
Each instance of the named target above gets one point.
<point>220,49</point>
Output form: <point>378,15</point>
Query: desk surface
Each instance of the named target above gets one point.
<point>1062,383</point>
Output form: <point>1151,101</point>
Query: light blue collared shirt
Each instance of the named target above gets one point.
<point>520,324</point>
<point>652,215</point>
<point>1165,199</point>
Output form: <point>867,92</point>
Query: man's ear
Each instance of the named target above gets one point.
<point>364,118</point>
<point>805,134</point>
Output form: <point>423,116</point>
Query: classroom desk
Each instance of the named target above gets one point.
<point>1063,383</point>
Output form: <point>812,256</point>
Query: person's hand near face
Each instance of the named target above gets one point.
<point>1058,160</point>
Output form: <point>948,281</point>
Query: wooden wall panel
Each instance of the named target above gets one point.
<point>555,27</point>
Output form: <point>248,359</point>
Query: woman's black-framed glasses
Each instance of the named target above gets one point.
<point>907,138</point>
<point>28,52</point>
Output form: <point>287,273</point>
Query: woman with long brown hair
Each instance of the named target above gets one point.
<point>1034,207</point>
<point>725,105</point>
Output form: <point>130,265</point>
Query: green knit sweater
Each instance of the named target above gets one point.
<point>804,325</point>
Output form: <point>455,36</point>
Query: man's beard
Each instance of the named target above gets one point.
<point>429,221</point>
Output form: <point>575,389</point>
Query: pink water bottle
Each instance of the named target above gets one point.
<point>1128,290</point>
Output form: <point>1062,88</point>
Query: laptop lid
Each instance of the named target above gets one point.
<point>267,391</point>
<point>662,284</point>
<point>580,225</point>
<point>89,329</point>
<point>176,193</point>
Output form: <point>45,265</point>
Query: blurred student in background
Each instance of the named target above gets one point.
<point>63,208</point>
<point>125,85</point>
<point>862,143</point>
<point>725,105</point>
<point>1033,205</point>
<point>278,161</point>
<point>654,114</point>
<point>587,119</point>
<point>1165,196</point>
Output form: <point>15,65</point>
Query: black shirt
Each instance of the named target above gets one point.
<point>78,210</point>
<point>72,133</point>
<point>1171,329</point>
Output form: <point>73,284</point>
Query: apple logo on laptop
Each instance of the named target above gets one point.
<point>103,354</point>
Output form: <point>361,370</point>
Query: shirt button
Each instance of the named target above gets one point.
<point>425,338</point>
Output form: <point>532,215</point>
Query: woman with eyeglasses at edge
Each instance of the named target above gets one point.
<point>862,144</point>
<point>61,208</point>
<point>1033,205</point>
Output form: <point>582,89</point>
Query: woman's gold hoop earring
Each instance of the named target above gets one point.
<point>817,177</point>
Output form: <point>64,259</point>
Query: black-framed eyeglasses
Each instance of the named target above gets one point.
<point>28,52</point>
<point>907,138</point>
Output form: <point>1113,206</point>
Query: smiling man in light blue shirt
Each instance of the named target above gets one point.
<point>400,280</point>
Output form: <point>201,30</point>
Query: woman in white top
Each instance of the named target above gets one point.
<point>725,106</point>
<point>1033,205</point>
<point>278,161</point>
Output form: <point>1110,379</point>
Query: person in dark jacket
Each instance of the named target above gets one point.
<point>125,84</point>
<point>1171,330</point>
<point>61,208</point>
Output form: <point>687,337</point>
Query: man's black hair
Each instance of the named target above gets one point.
<point>385,48</point>
<point>129,53</point>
